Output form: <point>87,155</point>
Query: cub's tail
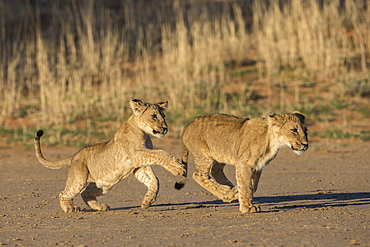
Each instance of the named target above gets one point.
<point>185,154</point>
<point>45,162</point>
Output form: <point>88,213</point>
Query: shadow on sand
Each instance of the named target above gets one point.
<point>275,203</point>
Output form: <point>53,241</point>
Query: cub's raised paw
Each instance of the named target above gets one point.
<point>177,168</point>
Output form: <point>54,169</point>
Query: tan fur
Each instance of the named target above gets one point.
<point>94,169</point>
<point>218,139</point>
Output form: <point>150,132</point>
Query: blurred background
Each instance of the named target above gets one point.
<point>70,67</point>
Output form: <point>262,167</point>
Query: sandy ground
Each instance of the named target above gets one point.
<point>319,199</point>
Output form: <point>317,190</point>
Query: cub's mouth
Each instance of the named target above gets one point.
<point>163,132</point>
<point>301,149</point>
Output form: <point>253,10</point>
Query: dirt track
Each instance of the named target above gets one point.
<point>321,198</point>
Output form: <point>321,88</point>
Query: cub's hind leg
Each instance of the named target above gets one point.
<point>202,176</point>
<point>146,176</point>
<point>218,174</point>
<point>204,161</point>
<point>76,181</point>
<point>91,192</point>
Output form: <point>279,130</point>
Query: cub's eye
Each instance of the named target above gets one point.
<point>154,116</point>
<point>295,131</point>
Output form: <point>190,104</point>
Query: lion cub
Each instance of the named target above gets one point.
<point>215,140</point>
<point>94,169</point>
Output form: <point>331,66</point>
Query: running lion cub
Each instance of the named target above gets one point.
<point>215,140</point>
<point>94,169</point>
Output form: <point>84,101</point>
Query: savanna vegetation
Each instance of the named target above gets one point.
<point>70,67</point>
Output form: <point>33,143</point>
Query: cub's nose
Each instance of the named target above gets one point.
<point>305,146</point>
<point>165,130</point>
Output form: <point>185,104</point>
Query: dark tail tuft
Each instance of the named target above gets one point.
<point>39,134</point>
<point>179,185</point>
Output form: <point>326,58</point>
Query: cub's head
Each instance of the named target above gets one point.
<point>150,117</point>
<point>290,130</point>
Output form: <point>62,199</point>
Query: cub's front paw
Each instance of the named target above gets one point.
<point>104,207</point>
<point>149,199</point>
<point>251,209</point>
<point>72,209</point>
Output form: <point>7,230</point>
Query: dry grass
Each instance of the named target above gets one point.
<point>330,40</point>
<point>85,59</point>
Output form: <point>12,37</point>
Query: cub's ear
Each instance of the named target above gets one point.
<point>163,105</point>
<point>136,105</point>
<point>276,119</point>
<point>300,116</point>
